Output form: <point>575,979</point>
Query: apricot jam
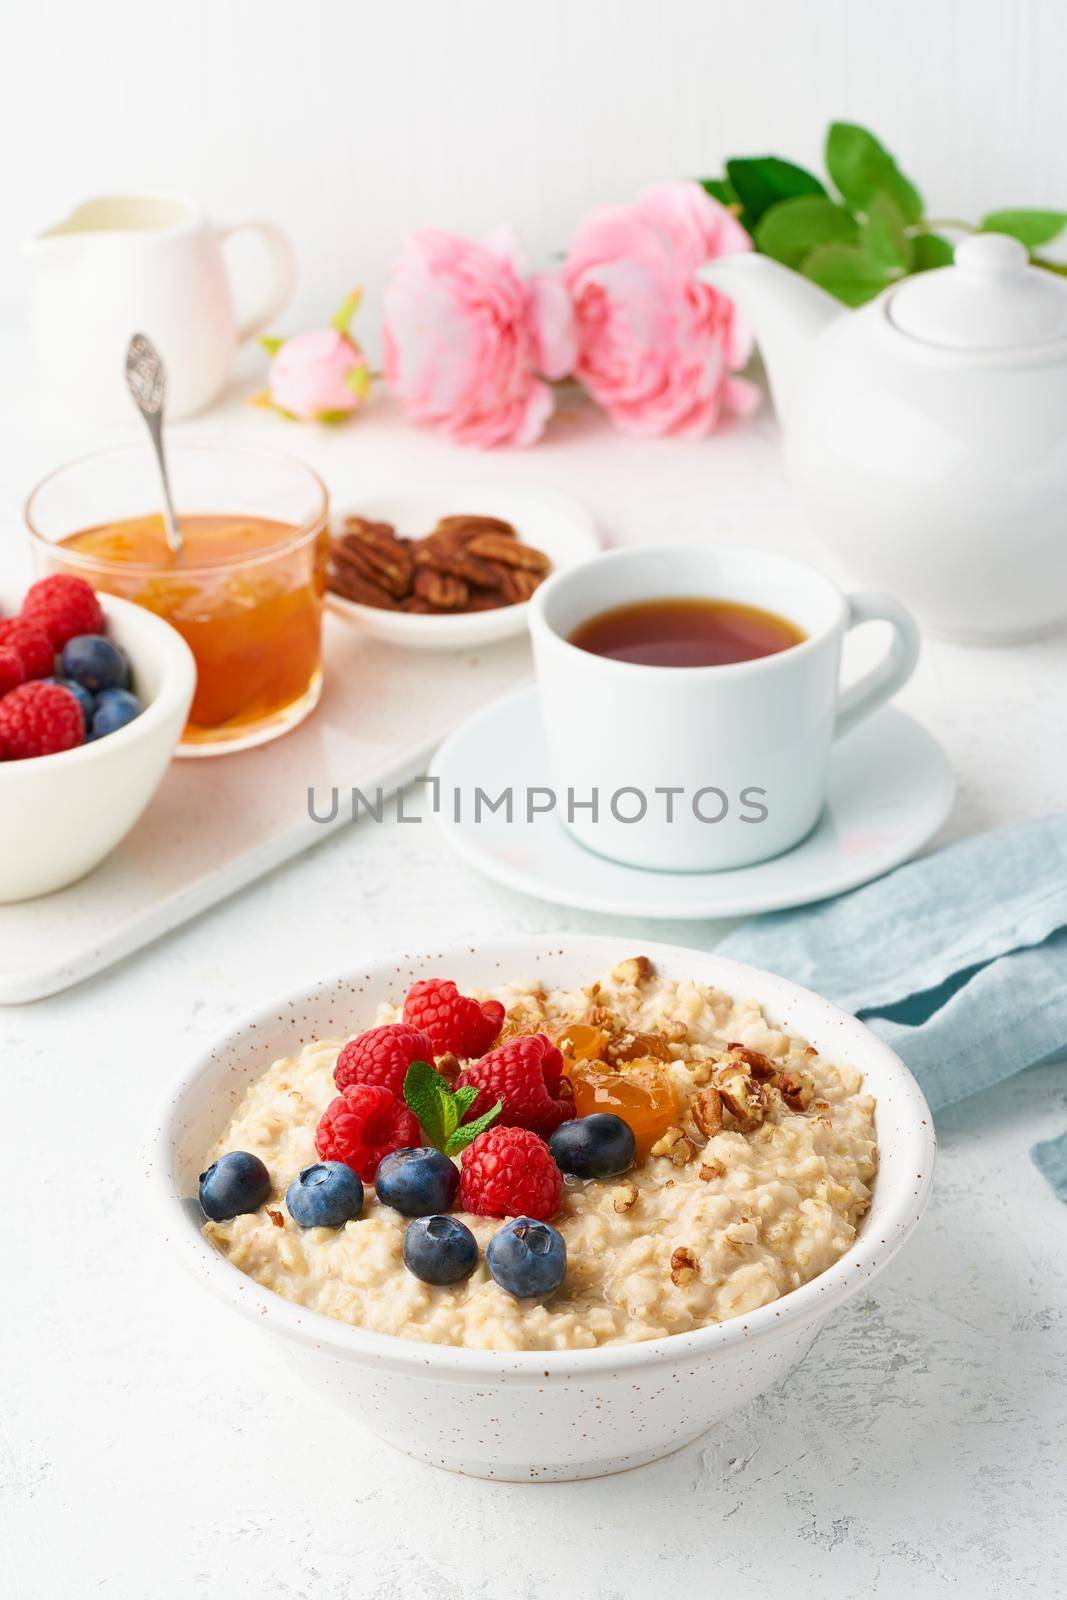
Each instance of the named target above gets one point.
<point>639,1046</point>
<point>642,1095</point>
<point>252,618</point>
<point>580,1041</point>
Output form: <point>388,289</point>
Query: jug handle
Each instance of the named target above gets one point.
<point>283,269</point>
<point>895,668</point>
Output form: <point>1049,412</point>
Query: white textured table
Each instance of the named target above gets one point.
<point>150,1446</point>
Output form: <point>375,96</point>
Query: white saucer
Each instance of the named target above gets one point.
<point>890,789</point>
<point>551,522</point>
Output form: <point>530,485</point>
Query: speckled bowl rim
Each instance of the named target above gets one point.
<point>903,1123</point>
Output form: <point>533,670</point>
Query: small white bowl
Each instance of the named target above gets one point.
<point>539,1414</point>
<point>62,814</point>
<point>550,522</point>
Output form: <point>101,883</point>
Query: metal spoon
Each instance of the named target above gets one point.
<point>146,379</point>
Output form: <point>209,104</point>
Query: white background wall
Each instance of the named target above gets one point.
<point>350,121</point>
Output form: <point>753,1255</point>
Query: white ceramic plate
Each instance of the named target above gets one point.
<point>890,789</point>
<point>559,526</point>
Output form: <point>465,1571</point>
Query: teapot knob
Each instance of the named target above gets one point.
<point>992,255</point>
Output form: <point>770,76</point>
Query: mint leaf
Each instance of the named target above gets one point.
<point>469,1131</point>
<point>760,182</point>
<point>862,168</point>
<point>883,233</point>
<point>1031,228</point>
<point>440,1112</point>
<point>929,250</point>
<point>793,227</point>
<point>464,1099</point>
<point>847,272</point>
<point>422,1091</point>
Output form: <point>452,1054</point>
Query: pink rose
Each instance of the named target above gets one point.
<point>656,347</point>
<point>468,338</point>
<point>319,376</point>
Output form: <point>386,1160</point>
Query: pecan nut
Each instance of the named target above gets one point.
<point>797,1089</point>
<point>509,552</point>
<point>742,1096</point>
<point>684,1266</point>
<point>634,970</point>
<point>675,1146</point>
<point>757,1063</point>
<point>706,1112</point>
<point>440,590</point>
<point>351,586</point>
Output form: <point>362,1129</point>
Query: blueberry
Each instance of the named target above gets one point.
<point>440,1249</point>
<point>527,1258</point>
<point>416,1181</point>
<point>81,694</point>
<point>95,662</point>
<point>113,709</point>
<point>600,1146</point>
<point>325,1195</point>
<point>233,1184</point>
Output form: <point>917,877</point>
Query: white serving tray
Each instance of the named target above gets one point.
<point>216,824</point>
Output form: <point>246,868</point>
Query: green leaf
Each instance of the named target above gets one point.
<point>358,380</point>
<point>762,181</point>
<point>720,190</point>
<point>847,272</point>
<point>441,1112</point>
<point>1031,228</point>
<point>465,1135</point>
<point>793,227</point>
<point>464,1099</point>
<point>929,250</point>
<point>883,234</point>
<point>422,1091</point>
<point>863,168</point>
<point>346,311</point>
<point>270,343</point>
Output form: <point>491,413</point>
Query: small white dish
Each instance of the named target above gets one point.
<point>551,522</point>
<point>889,789</point>
<point>64,813</point>
<point>529,1415</point>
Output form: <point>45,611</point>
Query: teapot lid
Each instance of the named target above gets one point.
<point>990,299</point>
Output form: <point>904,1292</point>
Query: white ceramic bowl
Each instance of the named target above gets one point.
<point>62,814</point>
<point>550,522</point>
<point>539,1414</point>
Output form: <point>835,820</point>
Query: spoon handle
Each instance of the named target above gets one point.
<point>146,380</point>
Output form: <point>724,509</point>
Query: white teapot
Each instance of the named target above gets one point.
<point>926,433</point>
<point>126,264</point>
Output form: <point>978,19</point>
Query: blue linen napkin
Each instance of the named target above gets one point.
<point>958,961</point>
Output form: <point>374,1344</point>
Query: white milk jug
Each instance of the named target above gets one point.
<point>126,264</point>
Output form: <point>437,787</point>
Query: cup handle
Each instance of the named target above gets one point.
<point>283,268</point>
<point>881,682</point>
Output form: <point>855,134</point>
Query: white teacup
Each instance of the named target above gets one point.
<point>702,768</point>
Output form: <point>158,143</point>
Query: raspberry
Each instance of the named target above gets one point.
<point>382,1055</point>
<point>524,1075</point>
<point>509,1172</point>
<point>365,1123</point>
<point>30,643</point>
<point>12,672</point>
<point>453,1021</point>
<point>39,719</point>
<point>63,606</point>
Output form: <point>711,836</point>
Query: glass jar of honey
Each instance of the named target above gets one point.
<point>245,591</point>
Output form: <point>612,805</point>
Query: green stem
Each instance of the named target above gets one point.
<point>946,222</point>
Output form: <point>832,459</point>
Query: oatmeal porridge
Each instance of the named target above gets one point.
<point>750,1164</point>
